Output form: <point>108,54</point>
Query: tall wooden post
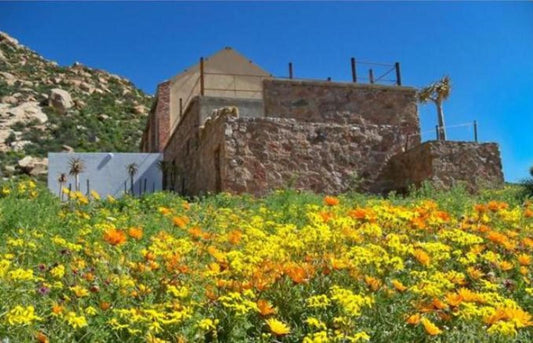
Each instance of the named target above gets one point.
<point>371,75</point>
<point>290,70</point>
<point>437,132</point>
<point>475,131</point>
<point>354,71</point>
<point>398,74</point>
<point>202,88</point>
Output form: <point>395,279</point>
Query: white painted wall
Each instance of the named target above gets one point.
<point>107,172</point>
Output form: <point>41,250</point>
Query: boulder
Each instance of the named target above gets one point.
<point>60,100</point>
<point>139,109</point>
<point>9,99</point>
<point>10,79</point>
<point>33,165</point>
<point>24,112</point>
<point>67,148</point>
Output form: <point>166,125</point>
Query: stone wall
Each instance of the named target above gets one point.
<point>268,153</point>
<point>343,103</point>
<point>443,163</point>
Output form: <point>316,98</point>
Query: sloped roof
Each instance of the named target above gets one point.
<point>225,61</point>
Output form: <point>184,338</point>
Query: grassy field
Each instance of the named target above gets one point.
<point>289,267</point>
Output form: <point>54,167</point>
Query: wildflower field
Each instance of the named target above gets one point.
<point>288,267</point>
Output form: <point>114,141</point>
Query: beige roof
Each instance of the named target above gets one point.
<point>227,73</point>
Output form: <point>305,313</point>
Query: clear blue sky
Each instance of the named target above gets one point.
<point>486,48</point>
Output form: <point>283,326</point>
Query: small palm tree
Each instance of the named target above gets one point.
<point>77,166</point>
<point>133,168</point>
<point>62,180</point>
<point>437,92</point>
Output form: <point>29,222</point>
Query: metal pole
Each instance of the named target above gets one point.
<point>290,70</point>
<point>475,131</point>
<point>181,106</point>
<point>125,187</point>
<point>329,78</point>
<point>371,75</point>
<point>354,71</point>
<point>437,131</point>
<point>398,74</point>
<point>202,89</point>
<point>88,187</point>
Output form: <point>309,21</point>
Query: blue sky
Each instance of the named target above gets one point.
<point>486,49</point>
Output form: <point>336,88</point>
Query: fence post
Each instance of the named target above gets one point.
<point>290,70</point>
<point>354,71</point>
<point>202,89</point>
<point>398,74</point>
<point>371,75</point>
<point>88,188</point>
<point>181,106</point>
<point>475,131</point>
<point>437,131</point>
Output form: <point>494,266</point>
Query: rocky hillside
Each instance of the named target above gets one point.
<point>49,108</point>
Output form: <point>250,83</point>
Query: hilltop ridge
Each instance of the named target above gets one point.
<point>45,108</point>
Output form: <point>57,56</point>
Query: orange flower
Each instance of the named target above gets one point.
<point>104,305</point>
<point>331,200</point>
<point>524,259</point>
<point>265,308</point>
<point>454,299</point>
<point>41,337</point>
<point>528,213</point>
<point>422,257</point>
<point>506,265</point>
<point>114,236</point>
<point>474,273</point>
<point>57,309</point>
<point>430,328</point>
<point>414,319</point>
<point>373,283</point>
<point>439,305</point>
<point>135,232</point>
<point>497,237</point>
<point>358,213</point>
<point>164,211</point>
<point>180,222</point>
<point>234,237</point>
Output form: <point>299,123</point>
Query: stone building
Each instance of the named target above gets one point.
<point>228,125</point>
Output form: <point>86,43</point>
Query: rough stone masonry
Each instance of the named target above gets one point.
<point>324,137</point>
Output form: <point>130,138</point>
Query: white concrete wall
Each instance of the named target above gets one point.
<point>107,172</point>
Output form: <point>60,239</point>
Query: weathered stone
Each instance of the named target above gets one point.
<point>444,164</point>
<point>60,100</point>
<point>4,37</point>
<point>10,79</point>
<point>9,99</point>
<point>139,109</point>
<point>24,112</point>
<point>33,165</point>
<point>67,148</point>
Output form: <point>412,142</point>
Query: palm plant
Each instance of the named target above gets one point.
<point>77,166</point>
<point>62,179</point>
<point>132,168</point>
<point>437,92</point>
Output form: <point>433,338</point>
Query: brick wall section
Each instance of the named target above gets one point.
<point>268,153</point>
<point>343,103</point>
<point>444,164</point>
<point>162,113</point>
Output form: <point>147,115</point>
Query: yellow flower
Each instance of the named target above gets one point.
<point>524,259</point>
<point>79,291</point>
<point>21,315</point>
<point>75,321</point>
<point>277,327</point>
<point>422,257</point>
<point>207,324</point>
<point>430,328</point>
<point>398,285</point>
<point>58,271</point>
